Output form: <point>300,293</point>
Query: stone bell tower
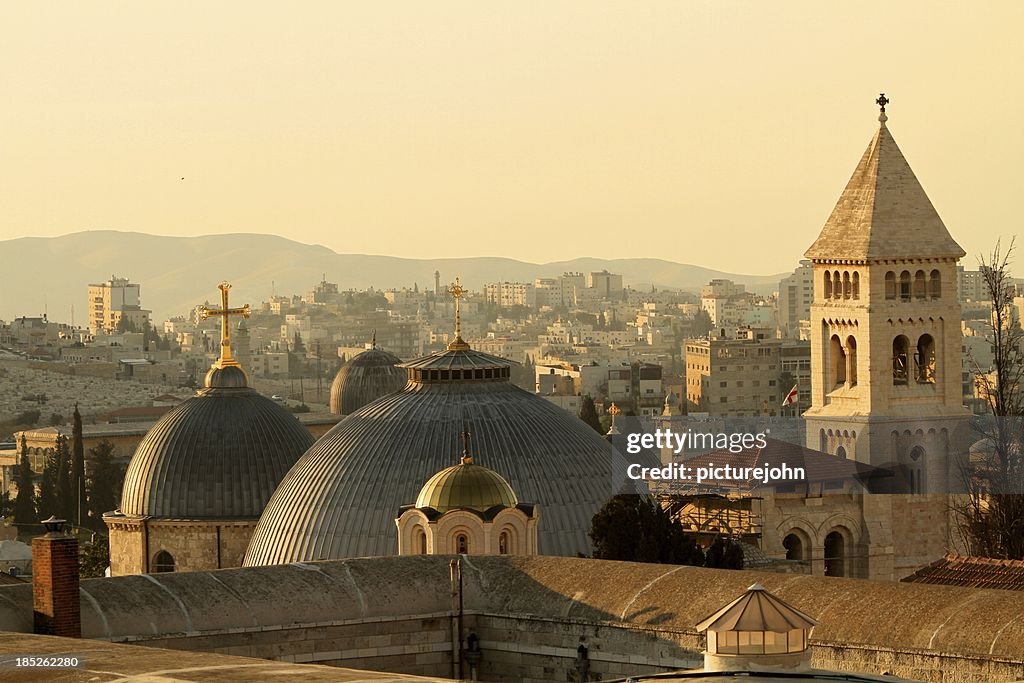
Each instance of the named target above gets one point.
<point>885,342</point>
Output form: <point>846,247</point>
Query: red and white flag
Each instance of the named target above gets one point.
<point>792,397</point>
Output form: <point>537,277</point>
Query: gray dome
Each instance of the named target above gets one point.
<point>341,498</point>
<point>220,454</point>
<point>368,376</point>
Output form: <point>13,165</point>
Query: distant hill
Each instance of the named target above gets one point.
<point>52,273</point>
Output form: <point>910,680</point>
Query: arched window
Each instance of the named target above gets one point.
<point>915,470</point>
<point>837,285</point>
<point>924,359</point>
<point>847,286</point>
<point>905,285</point>
<point>838,358</point>
<point>462,544</point>
<point>828,285</point>
<point>794,547</point>
<point>841,453</point>
<point>856,285</point>
<point>420,542</point>
<point>163,562</point>
<point>920,286</point>
<point>935,285</point>
<point>503,543</point>
<point>900,357</point>
<point>835,552</point>
<point>822,442</point>
<point>851,361</point>
<point>890,285</point>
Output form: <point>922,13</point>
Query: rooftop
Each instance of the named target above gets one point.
<point>972,572</point>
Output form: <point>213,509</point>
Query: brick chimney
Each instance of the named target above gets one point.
<point>55,597</point>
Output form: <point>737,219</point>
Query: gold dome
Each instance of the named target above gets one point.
<point>466,486</point>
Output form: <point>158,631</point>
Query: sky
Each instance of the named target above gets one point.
<point>718,133</point>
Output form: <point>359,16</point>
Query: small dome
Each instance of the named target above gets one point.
<point>368,376</point>
<point>227,377</point>
<point>466,486</point>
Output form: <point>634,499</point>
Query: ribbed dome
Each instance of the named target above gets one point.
<point>368,376</point>
<point>466,486</point>
<point>340,499</point>
<point>220,454</point>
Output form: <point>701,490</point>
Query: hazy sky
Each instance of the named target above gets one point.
<point>719,133</point>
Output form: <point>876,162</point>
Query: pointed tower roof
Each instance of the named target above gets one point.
<point>757,610</point>
<point>884,212</point>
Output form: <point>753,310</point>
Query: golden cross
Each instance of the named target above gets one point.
<point>457,291</point>
<point>224,312</point>
<point>466,457</point>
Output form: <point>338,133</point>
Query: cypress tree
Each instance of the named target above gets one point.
<point>77,471</point>
<point>65,493</point>
<point>24,503</point>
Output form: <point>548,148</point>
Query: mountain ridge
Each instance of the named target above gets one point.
<point>50,274</point>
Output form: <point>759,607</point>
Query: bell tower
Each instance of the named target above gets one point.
<point>885,328</point>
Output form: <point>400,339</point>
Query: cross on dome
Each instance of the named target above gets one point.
<point>224,312</point>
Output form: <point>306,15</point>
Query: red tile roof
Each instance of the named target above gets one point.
<point>972,572</point>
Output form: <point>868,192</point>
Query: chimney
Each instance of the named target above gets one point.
<point>55,596</point>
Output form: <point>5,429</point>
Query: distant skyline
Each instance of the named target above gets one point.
<point>714,133</point>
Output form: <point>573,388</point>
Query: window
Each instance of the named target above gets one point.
<point>837,356</point>
<point>920,286</point>
<point>503,544</point>
<point>851,354</point>
<point>856,285</point>
<point>461,544</point>
<point>420,542</point>
<point>890,285</point>
<point>900,352</point>
<point>905,285</point>
<point>837,286</point>
<point>935,285</point>
<point>163,562</point>
<point>924,359</point>
<point>828,285</point>
<point>723,384</point>
<point>847,285</point>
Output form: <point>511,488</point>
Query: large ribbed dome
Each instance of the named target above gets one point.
<point>220,454</point>
<point>340,499</point>
<point>368,376</point>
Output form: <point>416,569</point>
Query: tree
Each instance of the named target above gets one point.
<point>588,413</point>
<point>56,419</point>
<point>724,553</point>
<point>635,529</point>
<point>65,492</point>
<point>991,514</point>
<point>94,558</point>
<point>46,501</point>
<point>104,482</point>
<point>24,503</point>
<point>702,324</point>
<point>77,470</point>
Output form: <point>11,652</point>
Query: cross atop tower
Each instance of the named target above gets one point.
<point>457,291</point>
<point>225,312</point>
<point>881,102</point>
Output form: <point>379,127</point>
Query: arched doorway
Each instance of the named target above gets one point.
<point>835,554</point>
<point>794,547</point>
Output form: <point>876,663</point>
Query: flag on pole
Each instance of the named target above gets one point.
<point>792,397</point>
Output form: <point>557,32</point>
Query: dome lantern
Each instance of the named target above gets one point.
<point>757,631</point>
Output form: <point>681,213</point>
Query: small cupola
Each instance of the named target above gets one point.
<point>757,632</point>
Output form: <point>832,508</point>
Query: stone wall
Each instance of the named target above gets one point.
<point>532,613</point>
<point>195,545</point>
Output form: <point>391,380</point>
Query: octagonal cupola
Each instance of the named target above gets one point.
<point>757,632</point>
